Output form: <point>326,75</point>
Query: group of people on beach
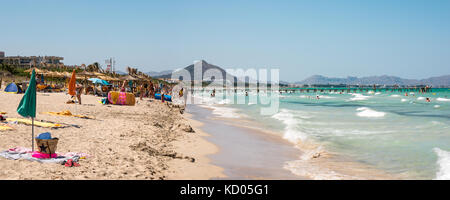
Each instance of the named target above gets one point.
<point>146,89</point>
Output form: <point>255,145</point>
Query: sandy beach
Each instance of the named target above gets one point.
<point>151,140</point>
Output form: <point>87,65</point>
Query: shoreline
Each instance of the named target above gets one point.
<point>313,162</point>
<point>246,153</point>
<point>197,146</point>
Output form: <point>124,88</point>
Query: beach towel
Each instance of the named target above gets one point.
<point>41,87</point>
<point>36,123</point>
<point>21,153</point>
<point>2,113</point>
<point>68,114</point>
<point>43,155</point>
<point>121,98</point>
<point>29,157</point>
<point>113,97</point>
<point>5,128</point>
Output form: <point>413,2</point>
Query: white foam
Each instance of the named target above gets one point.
<point>403,100</point>
<point>367,112</point>
<point>442,99</point>
<point>395,95</point>
<point>359,97</point>
<point>326,97</point>
<point>225,112</point>
<point>436,106</point>
<point>377,93</point>
<point>420,98</point>
<point>444,164</point>
<point>314,171</point>
<point>291,121</point>
<point>224,101</point>
<point>370,92</point>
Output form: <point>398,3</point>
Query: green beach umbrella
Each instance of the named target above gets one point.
<point>27,106</point>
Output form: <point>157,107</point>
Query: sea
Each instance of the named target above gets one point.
<point>400,134</point>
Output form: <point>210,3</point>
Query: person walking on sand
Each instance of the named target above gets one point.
<point>79,89</point>
<point>142,90</point>
<point>151,90</point>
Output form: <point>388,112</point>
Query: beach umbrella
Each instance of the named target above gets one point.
<point>128,77</point>
<point>72,84</point>
<point>85,73</point>
<point>27,106</point>
<point>67,74</point>
<point>106,78</point>
<point>38,71</point>
<point>98,81</point>
<point>98,74</point>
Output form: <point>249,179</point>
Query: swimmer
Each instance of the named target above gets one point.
<point>428,99</point>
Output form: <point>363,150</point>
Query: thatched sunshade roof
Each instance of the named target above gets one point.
<point>129,78</point>
<point>144,78</point>
<point>85,73</point>
<point>37,70</point>
<point>98,74</point>
<point>67,74</point>
<point>106,78</point>
<point>54,74</point>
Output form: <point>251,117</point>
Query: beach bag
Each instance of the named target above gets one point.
<point>47,146</point>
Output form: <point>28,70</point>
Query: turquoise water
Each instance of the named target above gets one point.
<point>387,130</point>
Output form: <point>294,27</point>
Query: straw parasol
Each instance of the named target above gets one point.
<point>54,74</point>
<point>85,73</point>
<point>98,74</point>
<point>106,78</point>
<point>143,78</point>
<point>128,77</point>
<point>67,74</point>
<point>37,70</point>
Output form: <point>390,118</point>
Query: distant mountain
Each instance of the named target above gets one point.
<point>205,67</point>
<point>120,72</point>
<point>155,74</point>
<point>437,80</point>
<point>380,80</point>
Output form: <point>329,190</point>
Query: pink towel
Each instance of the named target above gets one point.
<point>43,155</point>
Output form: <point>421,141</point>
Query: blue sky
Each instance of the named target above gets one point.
<point>406,38</point>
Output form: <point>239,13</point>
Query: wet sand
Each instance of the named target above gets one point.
<point>246,153</point>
